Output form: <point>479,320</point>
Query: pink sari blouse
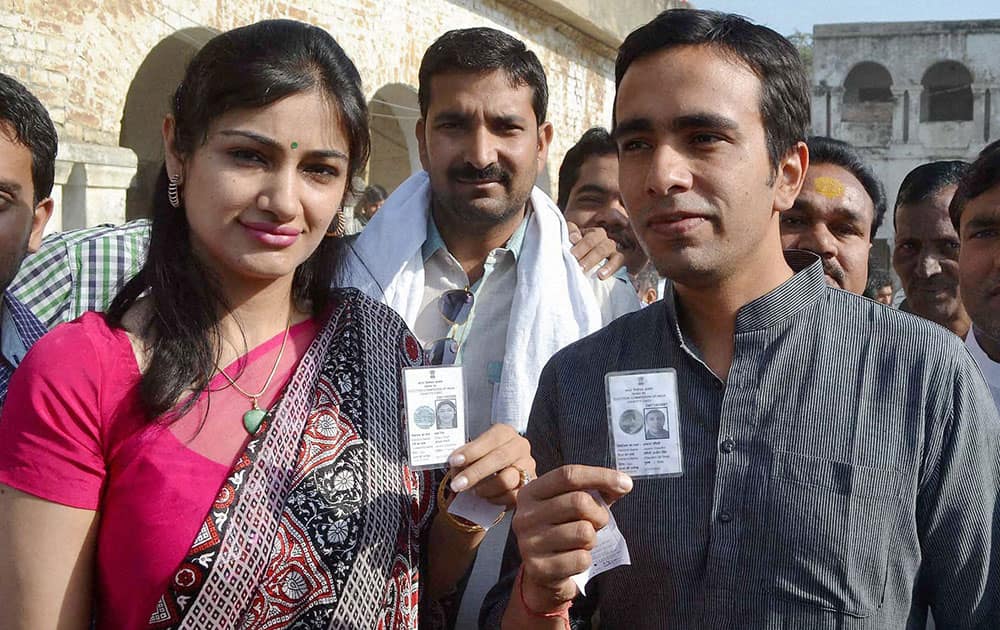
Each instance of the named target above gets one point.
<point>73,432</point>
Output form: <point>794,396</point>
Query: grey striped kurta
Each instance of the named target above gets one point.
<point>844,476</point>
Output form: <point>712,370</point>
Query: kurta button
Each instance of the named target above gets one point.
<point>725,517</point>
<point>727,446</point>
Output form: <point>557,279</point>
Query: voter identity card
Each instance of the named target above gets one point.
<point>644,423</point>
<point>435,414</point>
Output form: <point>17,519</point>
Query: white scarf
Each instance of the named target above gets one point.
<point>553,303</point>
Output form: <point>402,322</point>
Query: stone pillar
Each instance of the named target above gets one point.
<point>90,185</point>
<point>916,98</point>
<point>993,113</point>
<point>900,119</point>
<point>818,109</point>
<point>836,109</point>
<point>978,112</point>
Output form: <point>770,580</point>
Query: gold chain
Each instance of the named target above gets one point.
<point>253,397</point>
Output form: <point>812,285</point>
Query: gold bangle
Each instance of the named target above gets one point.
<point>457,522</point>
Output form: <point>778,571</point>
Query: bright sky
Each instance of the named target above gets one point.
<point>789,16</point>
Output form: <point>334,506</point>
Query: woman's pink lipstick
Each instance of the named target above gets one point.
<point>271,234</point>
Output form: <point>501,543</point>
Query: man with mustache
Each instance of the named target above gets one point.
<point>589,195</point>
<point>925,255</point>
<point>472,230</point>
<point>838,460</point>
<point>975,214</point>
<point>837,213</point>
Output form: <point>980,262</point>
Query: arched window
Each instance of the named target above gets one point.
<point>147,102</point>
<point>867,95</point>
<point>868,82</point>
<point>947,93</point>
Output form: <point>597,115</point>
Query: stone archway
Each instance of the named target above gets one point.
<point>947,93</point>
<point>868,94</point>
<point>868,82</point>
<point>148,101</point>
<point>394,111</point>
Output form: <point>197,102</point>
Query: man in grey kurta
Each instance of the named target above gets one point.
<point>840,458</point>
<point>824,485</point>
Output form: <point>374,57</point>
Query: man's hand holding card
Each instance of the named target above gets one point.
<point>557,522</point>
<point>487,472</point>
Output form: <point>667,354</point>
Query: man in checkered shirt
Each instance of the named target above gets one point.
<point>28,146</point>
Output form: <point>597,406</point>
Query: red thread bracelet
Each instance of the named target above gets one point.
<point>560,613</point>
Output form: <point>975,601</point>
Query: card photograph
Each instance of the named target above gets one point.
<point>446,413</point>
<point>630,421</point>
<point>655,423</point>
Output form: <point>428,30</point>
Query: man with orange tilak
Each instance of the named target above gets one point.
<point>837,213</point>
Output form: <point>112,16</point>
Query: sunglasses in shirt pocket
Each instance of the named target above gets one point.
<point>830,528</point>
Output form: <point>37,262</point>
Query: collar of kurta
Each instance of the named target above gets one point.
<point>805,287</point>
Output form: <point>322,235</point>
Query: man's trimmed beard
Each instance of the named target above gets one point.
<point>469,211</point>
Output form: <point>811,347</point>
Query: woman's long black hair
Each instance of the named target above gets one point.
<point>248,67</point>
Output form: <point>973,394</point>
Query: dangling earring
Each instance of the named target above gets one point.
<point>173,191</point>
<point>339,224</point>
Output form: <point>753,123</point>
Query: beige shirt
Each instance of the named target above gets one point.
<point>483,337</point>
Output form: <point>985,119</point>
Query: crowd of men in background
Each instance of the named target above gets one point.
<point>677,186</point>
<point>836,215</point>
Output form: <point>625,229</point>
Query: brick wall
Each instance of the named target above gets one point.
<point>80,57</point>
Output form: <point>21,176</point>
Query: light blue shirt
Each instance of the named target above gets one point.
<point>19,330</point>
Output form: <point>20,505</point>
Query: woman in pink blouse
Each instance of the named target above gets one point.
<point>225,447</point>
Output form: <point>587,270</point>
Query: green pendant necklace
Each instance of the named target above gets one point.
<point>255,415</point>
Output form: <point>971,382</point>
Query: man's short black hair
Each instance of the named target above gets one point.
<point>595,141</point>
<point>825,150</point>
<point>32,127</point>
<point>878,278</point>
<point>981,176</point>
<point>927,180</point>
<point>373,194</point>
<point>480,50</point>
<point>784,98</point>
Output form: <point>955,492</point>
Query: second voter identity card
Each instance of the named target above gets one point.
<point>644,422</point>
<point>435,414</point>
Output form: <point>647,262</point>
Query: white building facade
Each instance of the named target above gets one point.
<point>907,93</point>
